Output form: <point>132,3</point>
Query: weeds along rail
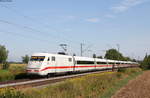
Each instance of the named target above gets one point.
<point>39,82</point>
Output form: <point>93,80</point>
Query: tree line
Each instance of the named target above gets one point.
<point>112,54</point>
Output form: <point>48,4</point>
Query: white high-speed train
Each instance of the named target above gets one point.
<point>47,64</point>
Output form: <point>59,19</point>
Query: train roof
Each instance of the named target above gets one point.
<point>101,60</point>
<point>83,58</point>
<point>49,54</point>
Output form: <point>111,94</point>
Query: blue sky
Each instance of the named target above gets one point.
<point>28,26</point>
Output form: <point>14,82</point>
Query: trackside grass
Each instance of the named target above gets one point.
<point>6,75</point>
<point>101,85</point>
<point>14,72</point>
<point>130,74</point>
<point>11,93</point>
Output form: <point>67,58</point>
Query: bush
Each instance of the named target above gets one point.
<point>11,93</point>
<point>6,75</point>
<point>132,70</point>
<point>129,70</point>
<point>121,69</point>
<point>6,65</point>
<point>119,75</point>
<point>16,69</point>
<point>145,64</point>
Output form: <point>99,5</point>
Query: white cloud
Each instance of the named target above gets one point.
<point>71,17</point>
<point>126,4</point>
<point>110,16</point>
<point>93,20</point>
<point>67,29</point>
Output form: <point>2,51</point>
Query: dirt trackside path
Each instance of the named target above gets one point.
<point>137,88</point>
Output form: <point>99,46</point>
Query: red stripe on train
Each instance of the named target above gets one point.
<point>63,67</point>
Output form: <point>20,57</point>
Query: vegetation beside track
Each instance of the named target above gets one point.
<point>101,85</point>
<point>15,71</point>
<point>125,75</point>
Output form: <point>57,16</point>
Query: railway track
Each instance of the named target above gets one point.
<point>44,81</point>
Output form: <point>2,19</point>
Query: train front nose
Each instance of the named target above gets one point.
<point>34,64</point>
<point>33,67</point>
<point>32,70</point>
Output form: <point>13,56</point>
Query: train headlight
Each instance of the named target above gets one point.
<point>36,70</point>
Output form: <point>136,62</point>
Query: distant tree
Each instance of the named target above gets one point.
<point>94,55</point>
<point>113,54</point>
<point>145,64</point>
<point>6,65</point>
<point>25,59</point>
<point>74,54</point>
<point>3,54</point>
<point>134,60</point>
<point>127,59</point>
<point>3,57</point>
<point>100,57</point>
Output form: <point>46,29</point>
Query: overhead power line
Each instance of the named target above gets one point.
<point>38,22</point>
<point>84,50</point>
<point>25,36</point>
<point>25,27</point>
<point>25,16</point>
<point>64,37</point>
<point>64,47</point>
<point>35,31</point>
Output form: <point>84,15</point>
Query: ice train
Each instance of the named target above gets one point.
<point>46,64</point>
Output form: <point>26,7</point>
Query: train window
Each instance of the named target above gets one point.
<point>117,63</point>
<point>48,59</point>
<point>85,62</point>
<point>70,59</point>
<point>111,63</point>
<point>101,62</point>
<point>37,58</point>
<point>53,58</point>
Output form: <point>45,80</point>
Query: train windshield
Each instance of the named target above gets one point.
<point>37,58</point>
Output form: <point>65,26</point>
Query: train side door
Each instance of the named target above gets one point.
<point>53,64</point>
<point>49,65</point>
<point>48,61</point>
